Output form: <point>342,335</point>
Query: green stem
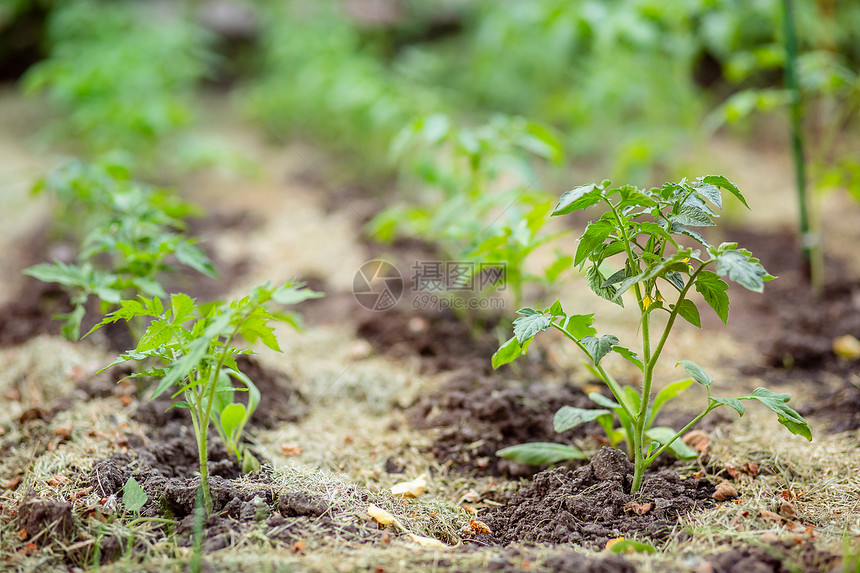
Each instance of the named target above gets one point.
<point>613,385</point>
<point>808,240</point>
<point>683,431</point>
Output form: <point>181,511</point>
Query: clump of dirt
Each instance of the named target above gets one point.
<point>779,556</point>
<point>841,407</point>
<point>43,520</point>
<point>519,559</point>
<point>592,504</point>
<point>483,414</point>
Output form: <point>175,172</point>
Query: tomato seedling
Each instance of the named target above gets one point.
<point>129,234</point>
<point>195,345</point>
<point>643,228</point>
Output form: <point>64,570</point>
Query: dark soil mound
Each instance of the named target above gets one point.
<point>442,341</point>
<point>44,520</point>
<point>782,556</point>
<point>482,414</point>
<point>592,504</point>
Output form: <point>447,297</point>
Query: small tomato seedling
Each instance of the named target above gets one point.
<point>643,228</point>
<point>195,345</point>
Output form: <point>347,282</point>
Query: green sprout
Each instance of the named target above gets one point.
<point>195,347</point>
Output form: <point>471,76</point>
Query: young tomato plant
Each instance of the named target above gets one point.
<point>131,233</point>
<point>195,345</point>
<point>643,228</point>
<point>481,206</point>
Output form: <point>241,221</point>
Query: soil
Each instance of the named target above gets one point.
<point>795,331</point>
<point>440,339</point>
<point>40,518</point>
<point>592,504</point>
<point>480,414</point>
<point>782,556</point>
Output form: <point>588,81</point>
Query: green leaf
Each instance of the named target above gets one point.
<point>710,192</point>
<point>232,418</point>
<point>294,293</point>
<point>508,352</point>
<point>713,289</point>
<point>599,347</point>
<point>691,216</point>
<point>541,453</point>
<point>724,183</point>
<point>529,324</point>
<point>181,307</point>
<point>633,196</point>
<point>697,373</point>
<point>630,356</point>
<point>733,403</point>
<point>596,282</point>
<point>688,311</point>
<point>670,391</point>
<point>71,329</point>
<point>682,230</point>
<point>663,434</point>
<point>192,256</point>
<point>159,333</point>
<point>133,496</point>
<point>579,325</point>
<point>602,400</point>
<point>578,198</point>
<point>631,545</point>
<point>250,463</point>
<point>569,417</point>
<point>784,413</point>
<point>741,268</point>
<point>594,235</point>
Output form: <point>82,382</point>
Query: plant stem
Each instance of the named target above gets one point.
<point>683,430</point>
<point>609,380</point>
<point>808,239</point>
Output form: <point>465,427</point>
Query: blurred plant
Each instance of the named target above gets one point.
<point>319,79</point>
<point>474,195</point>
<point>131,232</point>
<point>643,227</point>
<point>195,347</point>
<point>821,97</point>
<point>121,71</point>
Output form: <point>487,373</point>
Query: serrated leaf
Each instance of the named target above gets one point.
<point>596,282</point>
<point>678,229</point>
<point>579,325</point>
<point>777,403</point>
<point>507,352</point>
<point>688,311</point>
<point>159,333</point>
<point>721,181</point>
<point>181,307</point>
<point>691,216</point>
<point>696,372</point>
<point>742,269</point>
<point>633,196</point>
<point>294,293</point>
<point>528,325</point>
<point>541,453</point>
<point>578,198</point>
<point>599,347</point>
<point>663,434</point>
<point>713,290</point>
<point>594,235</point>
<point>556,309</point>
<point>630,356</point>
<point>133,496</point>
<point>710,192</point>
<point>569,417</point>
